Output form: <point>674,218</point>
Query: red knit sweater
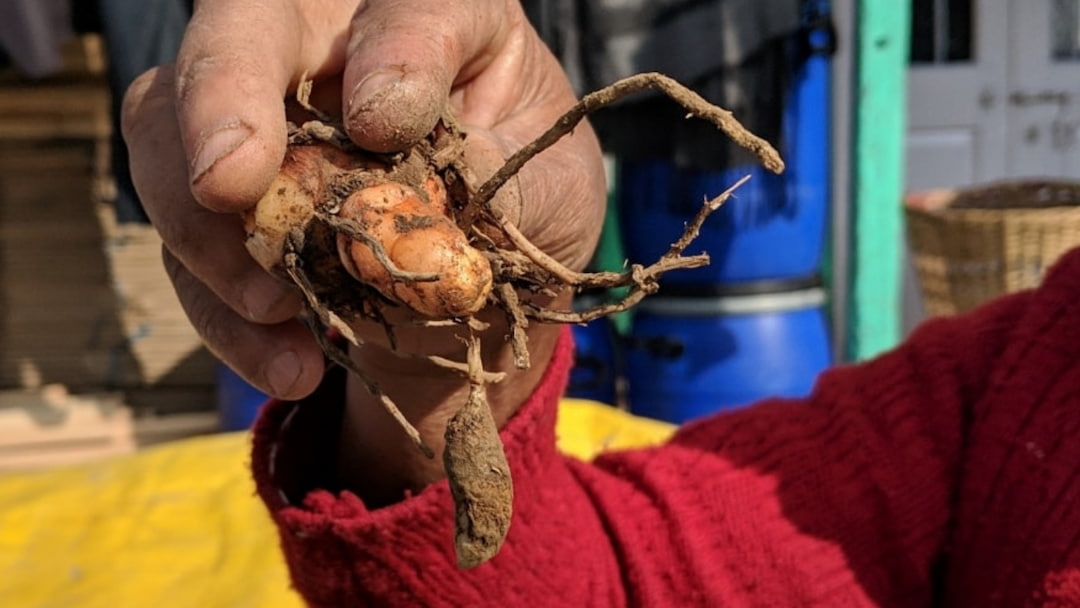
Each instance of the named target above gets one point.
<point>946,472</point>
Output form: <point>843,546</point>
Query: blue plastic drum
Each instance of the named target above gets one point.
<point>238,402</point>
<point>773,229</point>
<point>595,362</point>
<point>693,357</point>
<point>764,233</point>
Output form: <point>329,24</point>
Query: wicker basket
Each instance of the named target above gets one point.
<point>971,245</point>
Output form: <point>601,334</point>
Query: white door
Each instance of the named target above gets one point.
<point>957,85</point>
<point>1044,88</point>
<point>993,91</point>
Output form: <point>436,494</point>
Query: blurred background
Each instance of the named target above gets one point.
<point>96,357</point>
<point>931,150</point>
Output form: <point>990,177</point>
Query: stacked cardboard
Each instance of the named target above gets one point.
<point>88,318</point>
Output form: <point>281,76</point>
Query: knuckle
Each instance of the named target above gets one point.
<point>209,316</point>
<point>143,99</point>
<point>210,323</point>
<point>183,239</point>
<point>212,320</point>
<point>245,75</point>
<point>196,236</point>
<point>172,265</point>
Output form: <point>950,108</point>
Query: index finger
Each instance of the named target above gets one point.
<point>236,64</point>
<point>405,56</point>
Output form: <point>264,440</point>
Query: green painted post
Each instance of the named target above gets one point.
<point>879,128</point>
<point>610,252</point>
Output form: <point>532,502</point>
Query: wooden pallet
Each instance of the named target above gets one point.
<point>77,109</point>
<point>51,427</point>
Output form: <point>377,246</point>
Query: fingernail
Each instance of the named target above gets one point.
<point>368,89</point>
<point>260,296</point>
<point>282,373</point>
<point>216,145</point>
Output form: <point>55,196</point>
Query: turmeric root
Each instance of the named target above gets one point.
<point>359,233</point>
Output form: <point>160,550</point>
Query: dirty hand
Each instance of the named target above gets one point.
<point>208,135</point>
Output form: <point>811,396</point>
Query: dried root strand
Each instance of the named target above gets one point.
<point>642,280</point>
<point>458,367</point>
<point>695,104</point>
<point>478,473</point>
<point>693,229</point>
<point>352,230</point>
<point>303,98</point>
<point>540,268</point>
<point>518,324</point>
<point>565,276</point>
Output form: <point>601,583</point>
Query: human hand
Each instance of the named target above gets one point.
<point>207,138</point>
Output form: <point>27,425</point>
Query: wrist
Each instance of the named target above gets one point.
<point>376,459</point>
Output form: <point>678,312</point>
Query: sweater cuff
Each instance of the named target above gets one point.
<point>294,457</point>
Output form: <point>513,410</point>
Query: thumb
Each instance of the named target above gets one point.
<point>235,66</point>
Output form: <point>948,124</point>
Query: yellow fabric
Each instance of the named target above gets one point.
<point>586,428</point>
<point>180,526</point>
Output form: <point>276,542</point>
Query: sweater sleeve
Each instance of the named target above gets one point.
<point>842,498</point>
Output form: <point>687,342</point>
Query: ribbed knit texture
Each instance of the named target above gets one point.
<point>946,472</point>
